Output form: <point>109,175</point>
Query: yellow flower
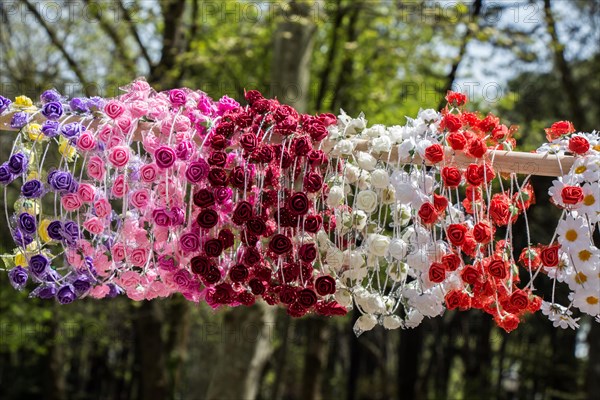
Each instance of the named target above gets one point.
<point>20,259</point>
<point>43,230</point>
<point>68,151</point>
<point>33,247</point>
<point>23,101</point>
<point>34,132</point>
<point>33,175</point>
<point>31,206</point>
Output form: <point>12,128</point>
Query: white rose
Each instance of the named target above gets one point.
<point>343,297</point>
<point>378,244</point>
<point>359,219</point>
<point>344,146</point>
<point>421,146</point>
<point>376,131</point>
<point>334,258</point>
<point>401,214</point>
<point>382,144</point>
<point>397,271</point>
<point>388,195</point>
<point>380,178</point>
<point>406,193</point>
<point>334,132</point>
<point>356,125</point>
<point>375,304</point>
<point>355,274</point>
<point>392,322</point>
<point>413,318</point>
<point>366,161</point>
<point>396,133</point>
<point>351,173</point>
<point>405,148</point>
<point>429,115</point>
<point>398,248</point>
<point>418,259</point>
<point>327,145</point>
<point>364,180</point>
<point>323,240</point>
<point>367,201</point>
<point>336,194</point>
<point>356,260</point>
<point>365,323</point>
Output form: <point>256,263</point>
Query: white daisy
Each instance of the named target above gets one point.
<point>588,301</point>
<point>559,315</point>
<point>583,278</point>
<point>591,201</point>
<point>573,233</point>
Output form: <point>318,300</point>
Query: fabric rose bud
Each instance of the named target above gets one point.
<point>17,163</point>
<point>4,104</point>
<point>66,294</point>
<point>572,195</point>
<point>140,198</point>
<point>579,145</point>
<point>470,275</point>
<point>242,213</point>
<point>280,244</point>
<point>94,225</point>
<point>456,99</point>
<point>86,141</point>
<point>189,242</point>
<point>62,182</point>
<point>307,298</point>
<point>96,168</point>
<point>50,129</point>
<point>71,130</point>
<point>71,202</point>
<point>18,277</point>
<point>161,217</point>
<point>559,129</point>
<point>86,192</point>
<point>428,213</point>
<point>313,182</point>
<point>207,218</point>
<point>549,256</point>
<point>213,247</point>
<point>437,272</point>
<point>164,157</point>
<point>325,285</point>
<point>119,156</point>
<point>298,204</point>
<point>497,267</point>
<point>148,173</point>
<point>366,161</point>
<point>434,153</point>
<point>79,105</point>
<point>307,252</point>
<point>473,175</point>
<point>50,96</point>
<point>476,148</point>
<point>19,120</point>
<point>70,232</point>
<point>482,232</point>
<point>456,234</point>
<point>54,230</point>
<point>451,123</point>
<point>440,202</point>
<point>451,261</point>
<point>312,223</point>
<point>32,189</point>
<point>177,97</point>
<point>378,245</point>
<point>102,208</point>
<point>27,223</point>
<point>114,109</point>
<point>38,265</point>
<point>6,176</point>
<point>366,200</point>
<point>52,110</point>
<point>120,187</point>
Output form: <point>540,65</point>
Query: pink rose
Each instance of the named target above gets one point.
<point>114,109</point>
<point>86,141</point>
<point>140,86</point>
<point>114,141</point>
<point>96,168</point>
<point>138,257</point>
<point>130,279</point>
<point>149,142</point>
<point>94,225</point>
<point>73,258</point>
<point>85,247</point>
<point>86,192</point>
<point>124,124</point>
<point>102,208</point>
<point>105,133</point>
<point>140,198</point>
<point>120,187</point>
<point>71,202</point>
<point>99,292</point>
<point>136,294</point>
<point>119,156</point>
<point>160,289</point>
<point>138,108</point>
<point>149,172</point>
<point>118,252</point>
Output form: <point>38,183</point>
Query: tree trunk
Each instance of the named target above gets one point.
<point>593,369</point>
<point>411,342</point>
<point>315,356</point>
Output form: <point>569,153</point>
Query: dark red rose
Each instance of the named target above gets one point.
<point>317,157</point>
<point>238,178</point>
<point>251,256</point>
<point>473,176</point>
<point>238,273</point>
<point>298,203</point>
<point>242,213</point>
<point>579,145</point>
<point>252,96</point>
<point>212,276</point>
<point>330,309</point>
<point>497,268</point>
<point>312,223</point>
<point>208,218</point>
<point>307,298</point>
<point>265,154</point>
<point>427,213</point>
<point>302,146</point>
<point>225,129</point>
<point>204,198</point>
<point>451,177</point>
<point>434,153</point>
<point>453,299</point>
<point>307,252</point>
<point>248,238</point>
<point>218,142</point>
<point>291,272</point>
<point>549,256</point>
<point>325,285</point>
<point>470,275</point>
<point>218,159</point>
<point>246,298</point>
<point>519,299</point>
<point>500,209</point>
<point>263,273</point>
<point>296,310</point>
<point>222,293</point>
<point>256,226</point>
<point>456,234</point>
<point>248,141</point>
<point>256,286</point>
<point>280,244</point>
<point>455,99</point>
<point>451,261</point>
<point>217,177</point>
<point>284,111</point>
<point>437,272</point>
<point>285,218</point>
<point>200,265</point>
<point>313,182</point>
<point>316,129</point>
<point>572,195</point>
<point>213,247</point>
<point>456,140</point>
<point>327,119</point>
<point>287,294</point>
<point>226,237</point>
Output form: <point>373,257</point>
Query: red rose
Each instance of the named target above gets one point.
<point>217,177</point>
<point>218,159</point>
<point>482,232</point>
<point>330,309</point>
<point>519,299</point>
<point>256,286</point>
<point>248,141</point>
<point>558,129</point>
<point>456,140</point>
<point>225,129</point>
<point>456,99</point>
<point>252,96</point>
<point>307,298</point>
<point>500,133</point>
<point>280,244</point>
<point>489,123</point>
<point>288,294</point>
<point>251,256</point>
<point>208,218</point>
<point>256,226</point>
<point>204,198</point>
<point>298,203</point>
<point>316,129</point>
<point>437,272</point>
<point>473,175</point>
<point>317,157</point>
<point>456,234</point>
<point>238,178</point>
<point>550,256</point>
<point>313,182</point>
<point>238,273</point>
<point>497,268</point>
<point>579,145</point>
<point>486,173</point>
<point>307,252</point>
<point>440,202</point>
<point>477,148</point>
<point>500,210</point>
<point>427,213</point>
<point>434,153</point>
<point>572,195</point>
<point>296,310</point>
<point>213,247</point>
<point>312,223</point>
<point>242,213</point>
<point>226,237</point>
<point>453,299</point>
<point>451,177</point>
<point>327,119</point>
<point>248,238</point>
<point>451,122</point>
<point>200,265</point>
<point>212,276</point>
<point>264,154</point>
<point>302,146</point>
<point>284,111</point>
<point>218,142</point>
<point>530,256</point>
<point>470,275</point>
<point>325,285</point>
<point>509,322</point>
<point>451,261</point>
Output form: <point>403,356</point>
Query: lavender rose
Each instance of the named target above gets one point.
<point>66,294</point>
<point>17,163</point>
<point>32,189</point>
<point>52,110</point>
<point>18,277</point>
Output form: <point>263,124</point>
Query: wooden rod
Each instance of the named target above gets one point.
<point>502,161</point>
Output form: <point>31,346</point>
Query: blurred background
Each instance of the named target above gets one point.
<point>532,62</point>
